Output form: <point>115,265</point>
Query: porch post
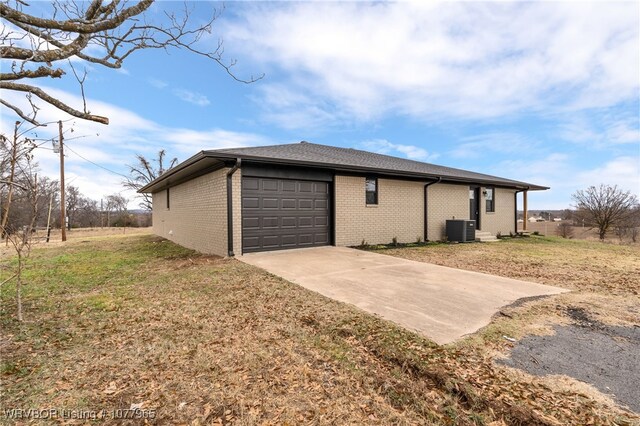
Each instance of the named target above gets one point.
<point>524,208</point>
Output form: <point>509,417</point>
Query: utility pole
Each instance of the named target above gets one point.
<point>63,215</point>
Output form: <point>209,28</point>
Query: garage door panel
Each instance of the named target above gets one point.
<point>250,184</point>
<point>250,243</point>
<point>305,239</point>
<point>270,222</point>
<point>321,187</point>
<point>270,241</point>
<point>320,221</point>
<point>269,185</point>
<point>289,203</point>
<point>289,185</point>
<point>320,204</point>
<point>250,203</point>
<point>305,222</point>
<point>305,186</point>
<point>289,222</point>
<point>251,222</point>
<point>270,203</point>
<point>306,204</point>
<point>290,240</point>
<point>284,213</point>
<point>321,238</point>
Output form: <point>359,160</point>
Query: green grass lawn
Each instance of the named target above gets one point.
<point>116,322</point>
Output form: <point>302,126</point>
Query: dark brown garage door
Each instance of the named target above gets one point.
<point>284,213</point>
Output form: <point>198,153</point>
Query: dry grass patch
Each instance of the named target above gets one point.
<point>203,340</point>
<point>605,279</point>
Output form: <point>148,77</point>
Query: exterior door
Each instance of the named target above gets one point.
<point>284,213</point>
<point>474,204</point>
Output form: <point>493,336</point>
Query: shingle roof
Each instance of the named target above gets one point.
<point>327,157</point>
<point>345,158</point>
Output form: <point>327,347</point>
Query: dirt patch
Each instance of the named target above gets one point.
<point>588,350</point>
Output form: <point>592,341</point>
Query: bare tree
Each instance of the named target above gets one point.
<point>88,213</point>
<point>604,206</point>
<point>21,236</point>
<point>117,204</point>
<point>73,200</point>
<point>15,158</point>
<point>146,171</point>
<point>629,226</point>
<point>103,32</point>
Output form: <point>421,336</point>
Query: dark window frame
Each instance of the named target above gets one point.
<point>374,194</point>
<point>490,203</point>
<point>168,199</point>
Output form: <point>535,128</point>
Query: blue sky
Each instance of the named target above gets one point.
<point>545,92</point>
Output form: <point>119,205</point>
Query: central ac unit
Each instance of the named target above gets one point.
<point>462,231</point>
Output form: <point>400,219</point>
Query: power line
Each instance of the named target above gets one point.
<point>95,164</point>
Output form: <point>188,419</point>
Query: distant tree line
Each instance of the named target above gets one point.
<point>19,177</point>
<point>82,211</point>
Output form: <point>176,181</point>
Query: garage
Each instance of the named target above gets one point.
<point>284,214</point>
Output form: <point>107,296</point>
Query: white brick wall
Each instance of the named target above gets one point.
<point>399,212</point>
<point>197,216</point>
<point>444,202</point>
<point>502,220</point>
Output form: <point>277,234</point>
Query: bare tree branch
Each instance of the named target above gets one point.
<point>84,26</point>
<point>40,72</point>
<point>18,111</point>
<point>53,101</point>
<point>104,32</point>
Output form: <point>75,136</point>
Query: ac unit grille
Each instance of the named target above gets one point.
<point>462,231</point>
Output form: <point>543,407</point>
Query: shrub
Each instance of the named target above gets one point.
<point>394,241</point>
<point>565,230</point>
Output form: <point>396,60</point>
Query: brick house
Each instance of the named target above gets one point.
<point>240,200</point>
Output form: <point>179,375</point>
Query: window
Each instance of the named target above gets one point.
<point>371,188</point>
<point>168,199</point>
<point>489,197</point>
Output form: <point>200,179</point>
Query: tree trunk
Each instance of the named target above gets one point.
<point>19,287</point>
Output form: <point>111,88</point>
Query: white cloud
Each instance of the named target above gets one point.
<point>439,61</point>
<point>158,84</point>
<point>621,171</point>
<point>383,146</point>
<point>191,97</point>
<point>604,130</point>
<point>491,143</point>
<point>186,95</point>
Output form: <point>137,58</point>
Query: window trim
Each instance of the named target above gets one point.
<point>490,205</point>
<point>168,199</point>
<point>375,193</point>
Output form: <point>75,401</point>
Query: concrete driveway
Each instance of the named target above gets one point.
<point>443,303</point>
